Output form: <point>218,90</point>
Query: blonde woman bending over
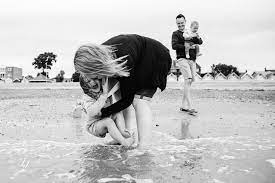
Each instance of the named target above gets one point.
<point>140,64</point>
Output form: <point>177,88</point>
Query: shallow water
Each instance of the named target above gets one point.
<point>224,159</point>
<point>41,142</point>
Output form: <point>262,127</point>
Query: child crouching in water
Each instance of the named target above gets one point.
<point>97,97</point>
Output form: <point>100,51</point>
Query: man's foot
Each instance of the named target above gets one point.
<point>184,110</point>
<point>188,110</point>
<point>193,111</point>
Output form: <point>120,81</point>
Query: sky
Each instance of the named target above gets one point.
<point>235,32</point>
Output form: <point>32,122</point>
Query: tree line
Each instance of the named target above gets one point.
<point>47,59</point>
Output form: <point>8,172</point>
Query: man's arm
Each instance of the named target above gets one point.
<point>197,40</point>
<point>175,42</point>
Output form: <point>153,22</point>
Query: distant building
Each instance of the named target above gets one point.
<point>233,76</point>
<point>25,80</point>
<point>171,78</point>
<point>269,70</point>
<point>66,80</point>
<point>13,73</point>
<point>220,77</point>
<point>197,77</point>
<point>259,75</point>
<point>8,80</point>
<point>270,76</point>
<point>207,77</point>
<point>40,79</point>
<point>266,74</point>
<point>245,77</point>
<point>2,72</point>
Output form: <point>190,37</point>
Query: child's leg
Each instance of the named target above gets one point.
<point>120,123</point>
<point>115,133</point>
<point>192,54</point>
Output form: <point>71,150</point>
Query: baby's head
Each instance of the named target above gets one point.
<point>194,26</point>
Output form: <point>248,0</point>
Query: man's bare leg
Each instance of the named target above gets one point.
<point>186,93</point>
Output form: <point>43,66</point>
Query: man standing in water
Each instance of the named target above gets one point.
<point>187,66</point>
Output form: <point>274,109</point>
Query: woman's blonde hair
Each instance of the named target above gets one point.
<point>99,60</point>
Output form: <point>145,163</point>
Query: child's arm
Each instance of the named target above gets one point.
<point>186,36</point>
<point>93,108</point>
<point>196,39</point>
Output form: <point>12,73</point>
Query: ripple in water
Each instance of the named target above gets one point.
<point>169,160</point>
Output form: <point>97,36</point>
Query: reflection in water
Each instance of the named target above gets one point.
<point>79,129</point>
<point>224,159</point>
<point>185,130</point>
<point>99,162</point>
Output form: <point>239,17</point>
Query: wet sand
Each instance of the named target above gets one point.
<point>232,139</point>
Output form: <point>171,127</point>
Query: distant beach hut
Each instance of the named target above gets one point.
<point>245,77</point>
<point>207,77</point>
<point>181,78</point>
<point>40,79</point>
<point>233,77</point>
<point>171,78</point>
<point>25,80</point>
<point>17,80</point>
<point>259,76</point>
<point>220,77</point>
<point>197,77</point>
<point>270,76</point>
<point>66,80</point>
<point>8,80</point>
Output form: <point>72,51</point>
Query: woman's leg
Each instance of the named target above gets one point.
<point>129,117</point>
<point>144,119</point>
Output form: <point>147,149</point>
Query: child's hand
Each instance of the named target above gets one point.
<point>193,46</point>
<point>197,35</point>
<point>105,85</point>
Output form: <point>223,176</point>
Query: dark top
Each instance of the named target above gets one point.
<point>178,43</point>
<point>149,62</point>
